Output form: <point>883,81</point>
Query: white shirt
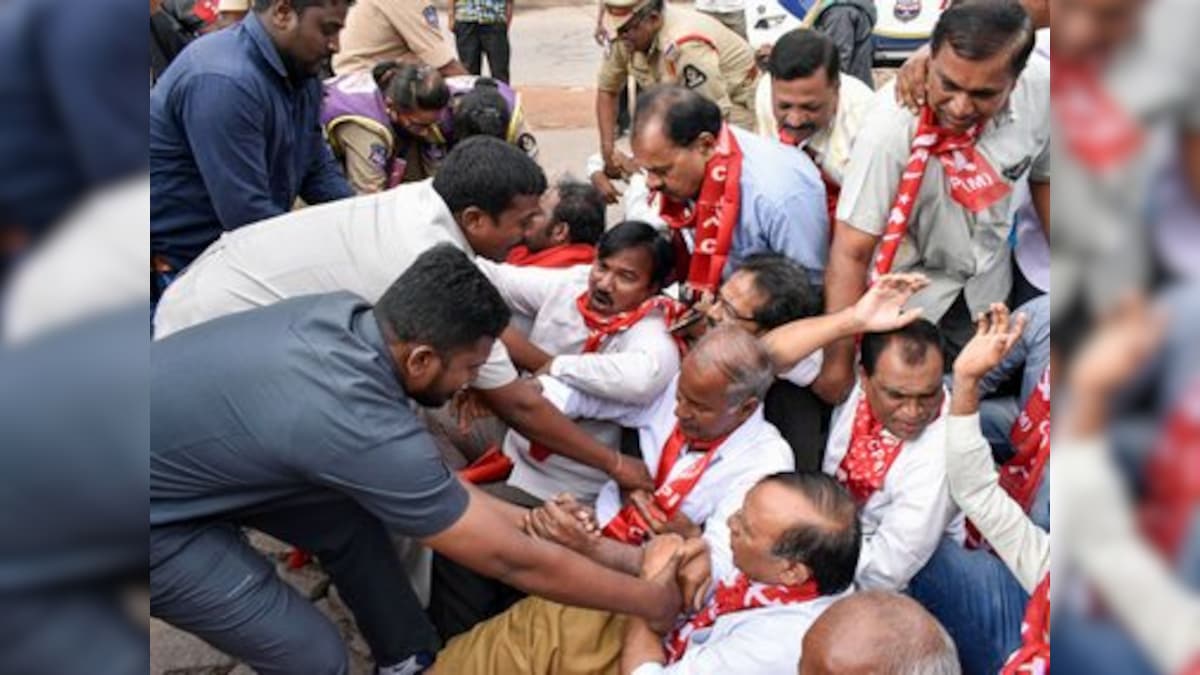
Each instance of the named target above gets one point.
<point>831,145</point>
<point>632,367</point>
<point>905,519</point>
<point>360,244</point>
<point>958,250</point>
<point>1032,251</point>
<point>763,641</point>
<point>753,451</point>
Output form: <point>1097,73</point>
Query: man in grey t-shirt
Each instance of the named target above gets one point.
<point>295,419</point>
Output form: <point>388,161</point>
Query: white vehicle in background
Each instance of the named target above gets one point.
<point>903,25</point>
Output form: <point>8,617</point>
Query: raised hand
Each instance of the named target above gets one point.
<point>881,308</point>
<point>995,334</point>
<point>1123,341</point>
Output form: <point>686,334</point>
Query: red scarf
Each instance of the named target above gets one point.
<point>870,456</point>
<point>714,216</point>
<point>601,327</point>
<point>1021,475</point>
<point>628,525</point>
<point>1173,479</point>
<point>833,190</point>
<point>1099,132</point>
<point>1033,656</point>
<point>973,182</point>
<point>563,255</point>
<point>735,596</point>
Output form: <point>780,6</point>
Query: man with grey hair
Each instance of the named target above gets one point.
<point>878,633</point>
<point>707,444</point>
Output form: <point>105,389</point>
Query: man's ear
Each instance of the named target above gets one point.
<point>422,363</point>
<point>283,15</point>
<point>747,408</point>
<point>560,233</point>
<point>795,573</point>
<point>472,219</point>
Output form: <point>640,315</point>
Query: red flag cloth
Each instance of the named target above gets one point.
<point>871,454</point>
<point>492,466</point>
<point>973,182</point>
<point>555,257</point>
<point>714,216</point>
<point>1098,131</point>
<point>735,596</point>
<point>628,525</point>
<point>1033,656</point>
<point>601,327</point>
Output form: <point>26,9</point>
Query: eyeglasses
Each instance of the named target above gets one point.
<point>729,311</point>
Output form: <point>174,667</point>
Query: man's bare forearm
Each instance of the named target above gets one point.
<point>606,121</point>
<point>535,418</point>
<point>845,282</point>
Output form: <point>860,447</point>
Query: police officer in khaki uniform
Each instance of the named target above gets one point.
<point>395,30</point>
<point>658,44</point>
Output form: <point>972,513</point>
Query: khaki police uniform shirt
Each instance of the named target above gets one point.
<point>382,30</point>
<point>726,74</point>
<point>960,251</point>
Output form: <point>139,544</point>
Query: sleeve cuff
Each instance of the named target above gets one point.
<point>649,668</point>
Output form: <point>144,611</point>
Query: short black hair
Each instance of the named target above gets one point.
<point>633,234</point>
<point>800,52</point>
<point>829,550</point>
<point>411,86</point>
<point>487,173</point>
<point>980,29</point>
<point>916,339</point>
<point>483,111</point>
<point>260,6</point>
<point>581,206</point>
<point>442,300</point>
<point>683,113</point>
<point>784,282</point>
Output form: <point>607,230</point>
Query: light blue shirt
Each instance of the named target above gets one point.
<point>783,206</point>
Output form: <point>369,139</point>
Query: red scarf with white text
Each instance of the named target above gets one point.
<point>628,525</point>
<point>1033,656</point>
<point>713,217</point>
<point>973,182</point>
<point>1098,131</point>
<point>601,327</point>
<point>735,596</point>
<point>871,454</point>
<point>555,257</point>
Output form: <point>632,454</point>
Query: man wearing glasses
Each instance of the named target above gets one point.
<point>659,44</point>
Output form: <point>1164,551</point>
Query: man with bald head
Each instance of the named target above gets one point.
<point>707,444</point>
<point>877,633</point>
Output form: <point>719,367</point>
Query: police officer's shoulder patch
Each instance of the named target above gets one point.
<point>528,144</point>
<point>431,17</point>
<point>693,77</point>
<point>378,155</point>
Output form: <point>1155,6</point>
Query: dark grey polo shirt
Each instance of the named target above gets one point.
<point>297,401</point>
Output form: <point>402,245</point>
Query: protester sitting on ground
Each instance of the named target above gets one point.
<point>308,433</point>
<point>887,445</point>
<point>795,543</point>
<point>877,633</point>
<point>713,407</point>
<point>481,204</point>
<point>568,232</point>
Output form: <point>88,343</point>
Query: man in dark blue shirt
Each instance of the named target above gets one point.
<point>235,134</point>
<point>297,419</point>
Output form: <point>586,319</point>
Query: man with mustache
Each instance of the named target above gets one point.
<point>235,134</point>
<point>658,43</point>
<point>601,329</point>
<point>933,191</point>
<point>808,103</point>
<point>297,420</point>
